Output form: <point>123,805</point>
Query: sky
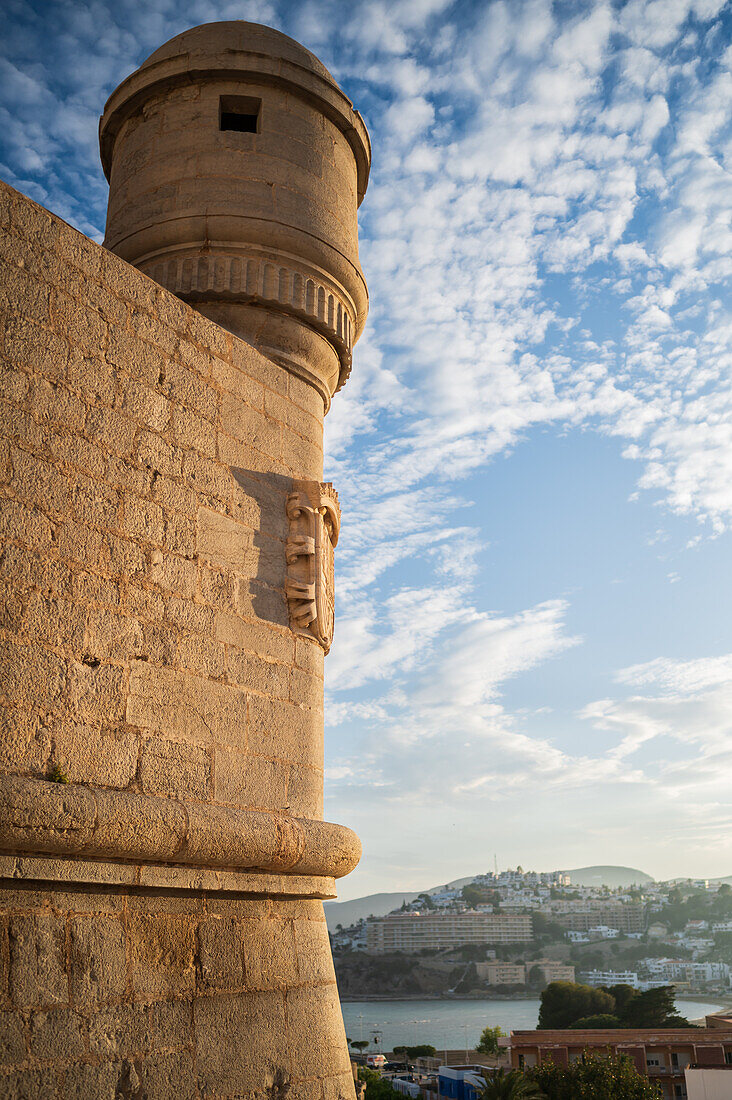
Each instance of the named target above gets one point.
<point>533,652</point>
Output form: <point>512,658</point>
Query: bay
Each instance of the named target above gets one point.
<point>455,1025</point>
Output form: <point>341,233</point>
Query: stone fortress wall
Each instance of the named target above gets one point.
<point>161,925</point>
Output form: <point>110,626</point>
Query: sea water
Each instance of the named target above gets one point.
<point>454,1025</point>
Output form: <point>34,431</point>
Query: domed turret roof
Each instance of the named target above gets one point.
<point>240,51</point>
<point>237,36</point>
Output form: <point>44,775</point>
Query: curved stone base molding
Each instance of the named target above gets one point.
<point>43,817</point>
<point>157,876</point>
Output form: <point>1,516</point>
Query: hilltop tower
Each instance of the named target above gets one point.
<point>167,551</point>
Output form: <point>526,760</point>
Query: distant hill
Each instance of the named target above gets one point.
<point>374,905</point>
<point>378,905</point>
<point>608,876</point>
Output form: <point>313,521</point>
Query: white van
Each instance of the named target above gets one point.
<point>375,1060</point>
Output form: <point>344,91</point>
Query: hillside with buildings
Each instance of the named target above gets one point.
<point>378,905</point>
<point>514,932</point>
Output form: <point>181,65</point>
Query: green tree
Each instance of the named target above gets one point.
<point>423,1050</point>
<point>564,1002</point>
<point>513,1085</point>
<point>595,1077</point>
<point>377,1087</point>
<point>359,1044</point>
<point>654,1008</point>
<point>621,994</point>
<point>488,1042</point>
<point>603,1019</point>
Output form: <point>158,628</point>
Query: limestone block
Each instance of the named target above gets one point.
<point>277,728</point>
<point>30,1084</point>
<point>37,960</point>
<point>159,454</point>
<point>97,959</point>
<point>87,755</point>
<point>143,520</point>
<point>313,954</point>
<point>94,378</point>
<point>168,1075</point>
<point>37,482</point>
<point>222,541</point>
<point>95,690</point>
<point>12,1038</point>
<point>118,1031</point>
<point>305,791</point>
<point>57,1032</point>
<point>185,387</point>
<point>206,476</point>
<point>192,430</point>
<point>220,954</point>
<point>28,569</point>
<point>189,616</point>
<point>112,429</point>
<point>244,1037</point>
<point>180,705</point>
<point>146,405</point>
<point>82,1081</point>
<point>319,1002</point>
<point>270,956</point>
<point>54,621</point>
<point>172,573</point>
<point>24,816</point>
<point>25,525</point>
<point>250,671</point>
<point>163,954</point>
<point>175,771</point>
<point>248,424</point>
<point>25,746</point>
<point>170,1025</point>
<point>202,655</point>
<point>253,781</point>
<point>255,638</point>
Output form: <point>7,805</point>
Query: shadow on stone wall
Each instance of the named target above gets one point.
<point>264,591</point>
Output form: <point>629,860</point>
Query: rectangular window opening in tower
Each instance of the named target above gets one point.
<point>239,112</point>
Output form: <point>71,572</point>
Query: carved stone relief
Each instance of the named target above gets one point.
<point>315,519</point>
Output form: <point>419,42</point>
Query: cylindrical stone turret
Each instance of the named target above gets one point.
<point>236,167</point>
<point>166,565</point>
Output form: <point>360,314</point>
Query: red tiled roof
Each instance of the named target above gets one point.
<point>614,1036</point>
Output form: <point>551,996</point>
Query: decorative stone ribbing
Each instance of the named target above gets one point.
<point>245,277</point>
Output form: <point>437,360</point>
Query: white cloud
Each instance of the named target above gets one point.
<point>546,239</point>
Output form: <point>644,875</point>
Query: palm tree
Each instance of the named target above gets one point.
<point>510,1086</point>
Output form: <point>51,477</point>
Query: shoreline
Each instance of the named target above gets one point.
<point>697,998</point>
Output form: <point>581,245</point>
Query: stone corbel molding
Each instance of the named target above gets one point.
<point>315,520</point>
<point>63,820</point>
<point>244,275</point>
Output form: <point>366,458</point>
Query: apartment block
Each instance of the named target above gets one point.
<point>496,972</point>
<point>626,918</point>
<point>613,977</point>
<point>412,932</point>
<point>501,973</point>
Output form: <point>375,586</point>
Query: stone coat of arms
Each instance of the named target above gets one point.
<point>315,519</point>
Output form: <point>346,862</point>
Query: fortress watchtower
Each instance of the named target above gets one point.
<point>168,544</point>
<point>236,167</point>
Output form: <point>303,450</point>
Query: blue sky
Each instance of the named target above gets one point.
<point>533,652</point>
